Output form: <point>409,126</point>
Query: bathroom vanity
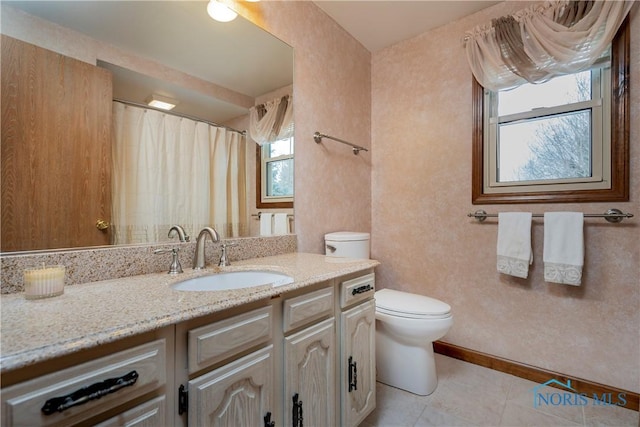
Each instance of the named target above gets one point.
<point>136,351</point>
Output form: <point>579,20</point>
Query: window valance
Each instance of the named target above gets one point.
<point>272,120</point>
<point>543,41</point>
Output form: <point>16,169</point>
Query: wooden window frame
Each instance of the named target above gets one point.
<point>620,112</point>
<point>259,203</point>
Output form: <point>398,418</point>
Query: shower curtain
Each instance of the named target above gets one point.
<point>171,170</point>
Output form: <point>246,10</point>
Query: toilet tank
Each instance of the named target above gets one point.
<point>347,244</point>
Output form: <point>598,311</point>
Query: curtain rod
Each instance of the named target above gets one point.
<point>185,116</point>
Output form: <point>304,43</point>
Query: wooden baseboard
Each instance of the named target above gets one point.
<point>533,373</point>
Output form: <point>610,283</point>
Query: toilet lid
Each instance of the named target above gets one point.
<point>405,304</point>
<point>346,236</point>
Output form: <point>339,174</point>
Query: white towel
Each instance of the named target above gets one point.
<point>514,243</point>
<point>563,247</point>
<point>280,223</point>
<point>265,224</point>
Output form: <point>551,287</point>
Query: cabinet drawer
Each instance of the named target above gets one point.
<point>217,341</point>
<point>128,374</point>
<point>302,310</point>
<point>151,413</point>
<point>358,289</point>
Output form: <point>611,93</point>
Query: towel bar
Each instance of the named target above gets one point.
<point>317,137</point>
<point>612,215</point>
<point>257,216</point>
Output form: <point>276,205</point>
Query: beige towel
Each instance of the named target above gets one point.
<point>514,243</point>
<point>563,247</point>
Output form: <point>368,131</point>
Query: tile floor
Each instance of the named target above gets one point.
<point>470,395</point>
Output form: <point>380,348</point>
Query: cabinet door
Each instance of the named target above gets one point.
<point>238,394</point>
<point>358,378</point>
<point>310,376</point>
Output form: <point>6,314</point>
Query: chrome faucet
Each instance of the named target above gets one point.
<point>198,256</point>
<point>182,236</point>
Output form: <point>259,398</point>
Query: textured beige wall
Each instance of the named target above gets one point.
<point>421,193</point>
<point>332,95</point>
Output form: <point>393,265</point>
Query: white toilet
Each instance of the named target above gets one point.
<point>406,327</point>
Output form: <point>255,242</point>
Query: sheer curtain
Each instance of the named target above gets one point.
<point>170,170</point>
<point>272,120</point>
<point>543,41</point>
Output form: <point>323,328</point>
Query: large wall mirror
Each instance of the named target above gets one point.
<point>102,61</point>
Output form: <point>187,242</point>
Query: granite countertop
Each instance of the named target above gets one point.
<point>90,314</point>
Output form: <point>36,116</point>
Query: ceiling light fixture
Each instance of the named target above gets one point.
<point>161,102</point>
<point>220,12</point>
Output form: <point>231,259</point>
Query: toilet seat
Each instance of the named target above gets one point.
<point>411,306</point>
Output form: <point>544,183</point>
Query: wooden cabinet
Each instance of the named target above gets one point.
<point>357,350</point>
<point>305,358</point>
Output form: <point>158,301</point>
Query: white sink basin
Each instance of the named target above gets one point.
<point>233,280</point>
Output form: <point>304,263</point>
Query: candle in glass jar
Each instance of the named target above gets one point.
<point>44,281</point>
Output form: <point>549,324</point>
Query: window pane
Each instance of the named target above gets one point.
<point>554,147</point>
<point>282,147</point>
<point>557,91</point>
<point>280,178</point>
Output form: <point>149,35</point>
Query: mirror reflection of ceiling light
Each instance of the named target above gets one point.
<point>220,12</point>
<point>161,102</point>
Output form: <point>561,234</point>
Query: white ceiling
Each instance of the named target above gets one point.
<point>378,24</point>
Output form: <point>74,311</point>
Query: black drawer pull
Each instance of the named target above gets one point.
<point>361,289</point>
<point>85,394</point>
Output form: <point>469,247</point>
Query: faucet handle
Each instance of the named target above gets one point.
<point>224,261</point>
<point>175,266</point>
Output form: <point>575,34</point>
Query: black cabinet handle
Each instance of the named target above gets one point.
<point>267,420</point>
<point>361,289</point>
<point>297,412</point>
<point>85,394</point>
<point>183,400</point>
<point>353,375</point>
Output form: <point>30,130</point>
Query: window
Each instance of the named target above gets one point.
<point>274,174</point>
<point>564,140</point>
<point>552,133</point>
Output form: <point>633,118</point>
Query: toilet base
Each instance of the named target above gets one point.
<point>407,367</point>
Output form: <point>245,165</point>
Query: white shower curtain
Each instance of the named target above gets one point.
<point>171,170</point>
